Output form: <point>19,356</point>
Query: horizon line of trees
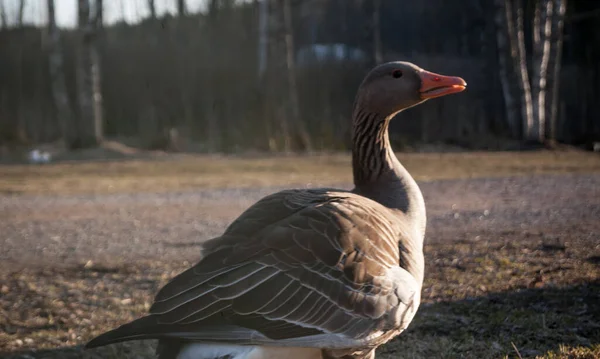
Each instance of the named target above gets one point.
<point>229,79</point>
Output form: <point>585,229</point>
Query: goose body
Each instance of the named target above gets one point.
<point>312,273</point>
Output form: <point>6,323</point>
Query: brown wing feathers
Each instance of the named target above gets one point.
<point>317,267</point>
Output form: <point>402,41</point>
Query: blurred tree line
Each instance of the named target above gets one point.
<point>282,74</point>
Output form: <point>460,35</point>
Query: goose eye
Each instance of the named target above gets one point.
<point>397,74</point>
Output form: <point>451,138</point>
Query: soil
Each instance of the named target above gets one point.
<point>513,264</point>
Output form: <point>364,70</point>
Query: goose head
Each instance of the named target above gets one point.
<point>392,87</point>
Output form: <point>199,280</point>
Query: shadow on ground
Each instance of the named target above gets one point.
<point>535,320</point>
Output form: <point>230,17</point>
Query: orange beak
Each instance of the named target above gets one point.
<point>434,85</point>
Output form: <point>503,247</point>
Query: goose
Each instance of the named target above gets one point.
<point>310,273</point>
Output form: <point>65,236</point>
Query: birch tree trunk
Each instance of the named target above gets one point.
<point>536,66</point>
<point>181,8</point>
<point>504,55</point>
<point>214,131</point>
<point>517,37</point>
<point>152,8</point>
<point>291,74</point>
<point>536,33</point>
<point>542,28</point>
<point>86,136</point>
<point>263,16</point>
<point>3,15</point>
<point>377,53</point>
<point>96,69</point>
<point>558,21</point>
<point>57,77</point>
<point>20,13</point>
<point>19,129</point>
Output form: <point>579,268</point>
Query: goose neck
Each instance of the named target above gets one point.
<point>377,172</point>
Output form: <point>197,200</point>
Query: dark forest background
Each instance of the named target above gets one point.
<point>281,75</point>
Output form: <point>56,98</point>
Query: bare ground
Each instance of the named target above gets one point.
<point>513,263</point>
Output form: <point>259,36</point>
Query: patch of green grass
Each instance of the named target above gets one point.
<point>197,172</point>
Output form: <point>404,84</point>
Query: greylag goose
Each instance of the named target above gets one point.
<point>310,273</point>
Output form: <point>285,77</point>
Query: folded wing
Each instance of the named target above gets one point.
<point>308,268</point>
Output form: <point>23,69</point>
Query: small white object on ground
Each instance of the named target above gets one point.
<point>37,156</point>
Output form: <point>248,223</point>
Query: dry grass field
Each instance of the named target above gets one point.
<point>512,247</point>
<point>184,172</point>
